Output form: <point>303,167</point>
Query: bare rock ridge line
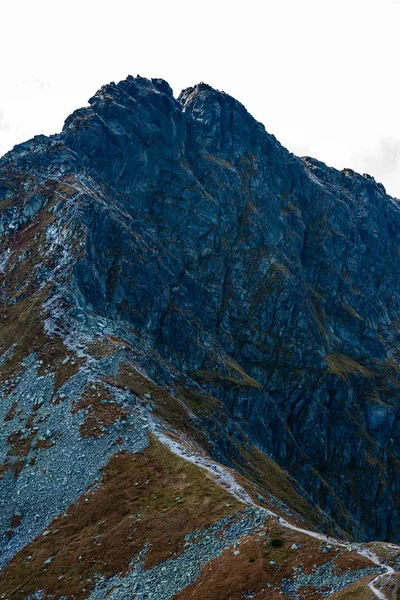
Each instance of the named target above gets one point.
<point>199,333</point>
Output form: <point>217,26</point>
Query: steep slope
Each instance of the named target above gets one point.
<point>168,266</point>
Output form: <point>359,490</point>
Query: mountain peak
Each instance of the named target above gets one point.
<point>133,87</point>
<point>199,359</point>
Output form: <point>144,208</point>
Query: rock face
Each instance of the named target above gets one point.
<point>264,283</point>
<point>227,243</point>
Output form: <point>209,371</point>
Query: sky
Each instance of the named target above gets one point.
<point>321,75</point>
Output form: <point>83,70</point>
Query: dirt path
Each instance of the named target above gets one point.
<point>372,584</point>
<point>224,478</point>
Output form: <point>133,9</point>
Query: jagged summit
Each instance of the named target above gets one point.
<point>197,327</point>
<point>201,98</point>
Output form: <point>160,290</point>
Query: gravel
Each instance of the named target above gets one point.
<point>60,474</point>
<point>168,578</point>
<point>325,580</point>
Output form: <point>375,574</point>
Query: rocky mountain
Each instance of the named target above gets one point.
<point>199,332</point>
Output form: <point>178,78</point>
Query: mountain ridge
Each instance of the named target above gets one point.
<point>172,248</point>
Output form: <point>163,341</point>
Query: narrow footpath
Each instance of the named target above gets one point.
<point>225,479</point>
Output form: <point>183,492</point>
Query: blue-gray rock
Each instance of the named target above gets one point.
<point>269,280</point>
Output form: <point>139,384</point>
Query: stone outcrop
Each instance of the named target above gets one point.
<point>220,243</point>
<point>257,289</point>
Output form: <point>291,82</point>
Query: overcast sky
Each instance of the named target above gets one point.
<point>321,75</point>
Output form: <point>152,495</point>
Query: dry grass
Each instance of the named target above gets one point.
<point>21,324</point>
<point>11,413</point>
<point>19,447</point>
<point>105,347</point>
<point>270,477</point>
<point>386,553</point>
<point>171,409</point>
<point>351,311</point>
<point>390,586</point>
<point>350,560</point>
<point>231,576</point>
<point>54,354</point>
<point>356,591</point>
<point>343,366</point>
<point>98,415</point>
<point>215,378</point>
<point>153,498</point>
<point>219,161</point>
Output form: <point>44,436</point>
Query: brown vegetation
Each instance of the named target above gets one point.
<point>344,366</point>
<point>101,409</point>
<point>358,590</point>
<point>258,563</point>
<point>153,498</point>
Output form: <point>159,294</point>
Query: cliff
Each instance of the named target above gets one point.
<point>170,271</point>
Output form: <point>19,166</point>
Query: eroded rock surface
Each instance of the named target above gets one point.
<point>167,261</point>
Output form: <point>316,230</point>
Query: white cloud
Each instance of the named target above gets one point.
<point>384,158</point>
<point>35,82</point>
<point>321,76</point>
<point>3,124</point>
